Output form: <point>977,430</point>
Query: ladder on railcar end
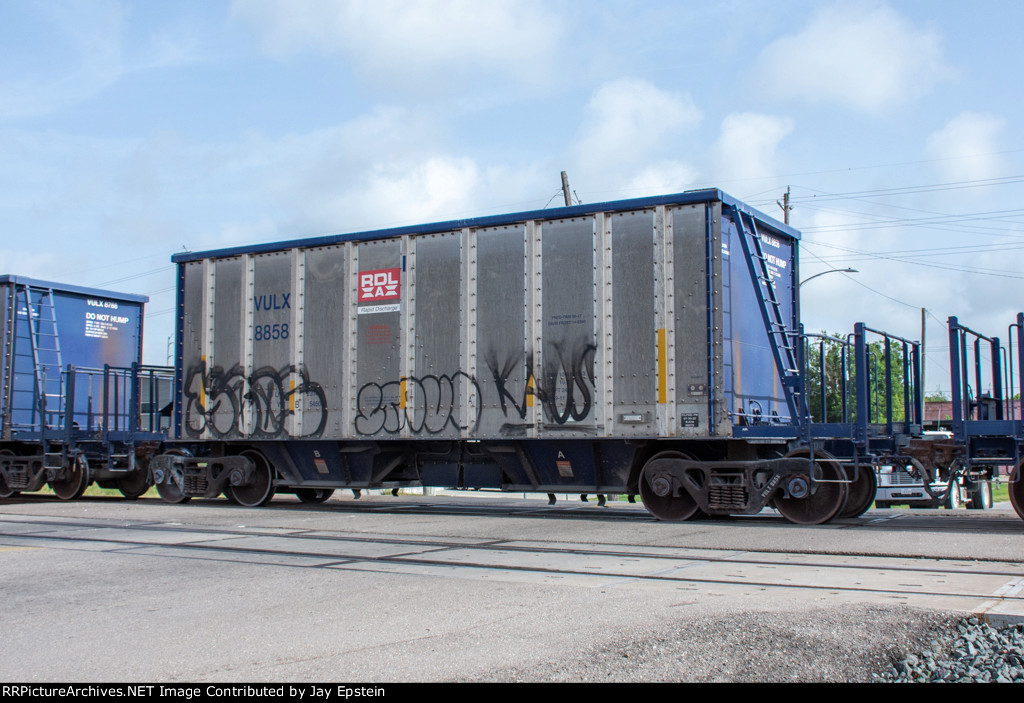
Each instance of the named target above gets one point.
<point>784,340</point>
<point>47,365</point>
<point>7,376</point>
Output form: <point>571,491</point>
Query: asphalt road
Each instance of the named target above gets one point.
<point>482,587</point>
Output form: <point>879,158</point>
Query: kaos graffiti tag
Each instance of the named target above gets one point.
<point>566,388</point>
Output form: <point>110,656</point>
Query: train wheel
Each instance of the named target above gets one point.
<point>1016,487</point>
<point>313,495</point>
<point>656,493</point>
<point>75,482</point>
<point>862,491</point>
<point>261,489</point>
<point>172,490</point>
<point>828,498</point>
<point>134,485</point>
<point>5,490</point>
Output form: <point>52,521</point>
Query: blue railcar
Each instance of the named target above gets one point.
<point>75,405</point>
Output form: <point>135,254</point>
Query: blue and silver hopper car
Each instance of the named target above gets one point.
<point>641,346</point>
<point>75,406</point>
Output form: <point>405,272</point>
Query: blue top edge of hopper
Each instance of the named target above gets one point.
<point>687,198</point>
<point>78,290</point>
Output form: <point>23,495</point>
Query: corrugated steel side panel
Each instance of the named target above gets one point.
<point>505,369</point>
<point>692,243</point>
<point>327,350</point>
<point>630,323</point>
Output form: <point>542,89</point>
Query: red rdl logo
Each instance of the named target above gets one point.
<point>382,284</point>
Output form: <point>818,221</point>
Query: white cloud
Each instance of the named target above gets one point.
<point>432,189</point>
<point>376,170</point>
<point>661,178</point>
<point>747,144</point>
<point>965,148</point>
<point>858,54</point>
<point>629,123</point>
<point>408,42</point>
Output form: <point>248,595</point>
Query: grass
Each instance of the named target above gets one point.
<point>1000,492</point>
<point>95,490</point>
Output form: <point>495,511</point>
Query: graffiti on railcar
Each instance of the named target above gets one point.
<point>222,402</point>
<point>500,373</point>
<point>274,394</point>
<point>213,400</point>
<point>566,390</point>
<point>383,407</point>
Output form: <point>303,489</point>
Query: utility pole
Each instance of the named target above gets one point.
<point>565,189</point>
<point>786,207</point>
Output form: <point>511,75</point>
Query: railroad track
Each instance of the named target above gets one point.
<point>957,584</point>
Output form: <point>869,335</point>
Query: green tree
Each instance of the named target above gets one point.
<point>937,397</point>
<point>837,355</point>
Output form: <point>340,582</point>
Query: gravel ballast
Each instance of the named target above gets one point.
<point>972,652</point>
<point>857,643</point>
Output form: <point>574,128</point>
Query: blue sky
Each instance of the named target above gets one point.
<point>133,130</point>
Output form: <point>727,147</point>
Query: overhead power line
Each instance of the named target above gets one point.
<point>864,285</point>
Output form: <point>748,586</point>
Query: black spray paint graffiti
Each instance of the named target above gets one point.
<point>500,372</point>
<point>225,402</point>
<point>212,400</point>
<point>565,392</point>
<point>275,394</point>
<point>380,408</point>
